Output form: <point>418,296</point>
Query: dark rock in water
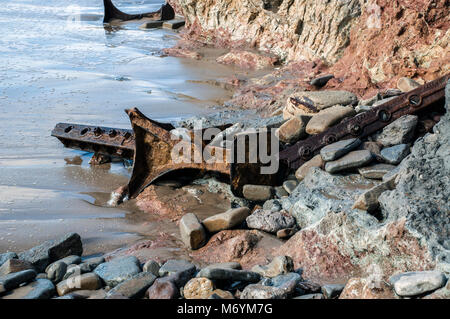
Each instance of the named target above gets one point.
<point>14,280</point>
<point>395,154</point>
<point>270,222</point>
<point>39,289</point>
<point>41,256</point>
<point>56,271</point>
<point>401,131</point>
<point>416,283</point>
<point>322,80</point>
<point>175,266</point>
<point>376,171</point>
<point>7,256</point>
<point>339,149</point>
<point>229,274</point>
<point>134,287</point>
<point>332,291</point>
<point>118,270</point>
<point>15,265</point>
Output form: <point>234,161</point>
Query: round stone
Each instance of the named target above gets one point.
<point>198,288</point>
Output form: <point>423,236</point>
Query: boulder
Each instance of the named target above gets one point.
<point>401,131</point>
<point>41,256</point>
<point>227,220</point>
<point>270,222</point>
<point>192,231</point>
<point>352,160</point>
<point>118,270</point>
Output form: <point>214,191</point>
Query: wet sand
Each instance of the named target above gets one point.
<point>54,70</point>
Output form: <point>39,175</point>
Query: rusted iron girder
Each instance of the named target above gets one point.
<point>366,123</point>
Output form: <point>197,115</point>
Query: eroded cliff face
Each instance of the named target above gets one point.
<point>369,44</point>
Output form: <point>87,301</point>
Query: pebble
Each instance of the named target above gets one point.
<point>332,291</point>
<point>135,287</point>
<point>198,288</point>
<point>152,267</point>
<point>290,186</point>
<point>286,232</point>
<point>416,283</point>
<point>303,170</point>
<point>56,271</point>
<point>15,265</point>
<point>39,289</point>
<point>192,232</point>
<point>273,205</point>
<point>229,274</point>
<point>395,154</point>
<point>407,84</point>
<point>7,256</point>
<point>227,220</point>
<point>321,80</point>
<point>376,171</point>
<point>353,159</point>
<point>257,193</point>
<point>280,265</point>
<point>401,131</point>
<point>336,150</point>
<point>41,256</point>
<point>14,280</point>
<point>173,266</point>
<point>118,270</point>
<point>323,120</point>
<point>293,130</point>
<point>270,222</point>
<point>89,281</point>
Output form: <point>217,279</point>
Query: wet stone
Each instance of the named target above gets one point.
<point>270,222</point>
<point>135,287</point>
<point>152,267</point>
<point>303,170</point>
<point>257,193</point>
<point>353,159</point>
<point>290,185</point>
<point>332,291</point>
<point>227,220</point>
<point>39,289</point>
<point>395,154</point>
<point>56,271</point>
<point>118,270</point>
<point>323,120</point>
<point>89,281</point>
<point>174,266</point>
<point>376,171</point>
<point>15,265</point>
<point>192,232</point>
<point>14,280</point>
<point>321,80</point>
<point>7,256</point>
<point>278,266</point>
<point>339,149</point>
<point>229,274</point>
<point>293,130</point>
<point>41,256</point>
<point>401,131</point>
<point>416,283</point>
<point>198,288</point>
